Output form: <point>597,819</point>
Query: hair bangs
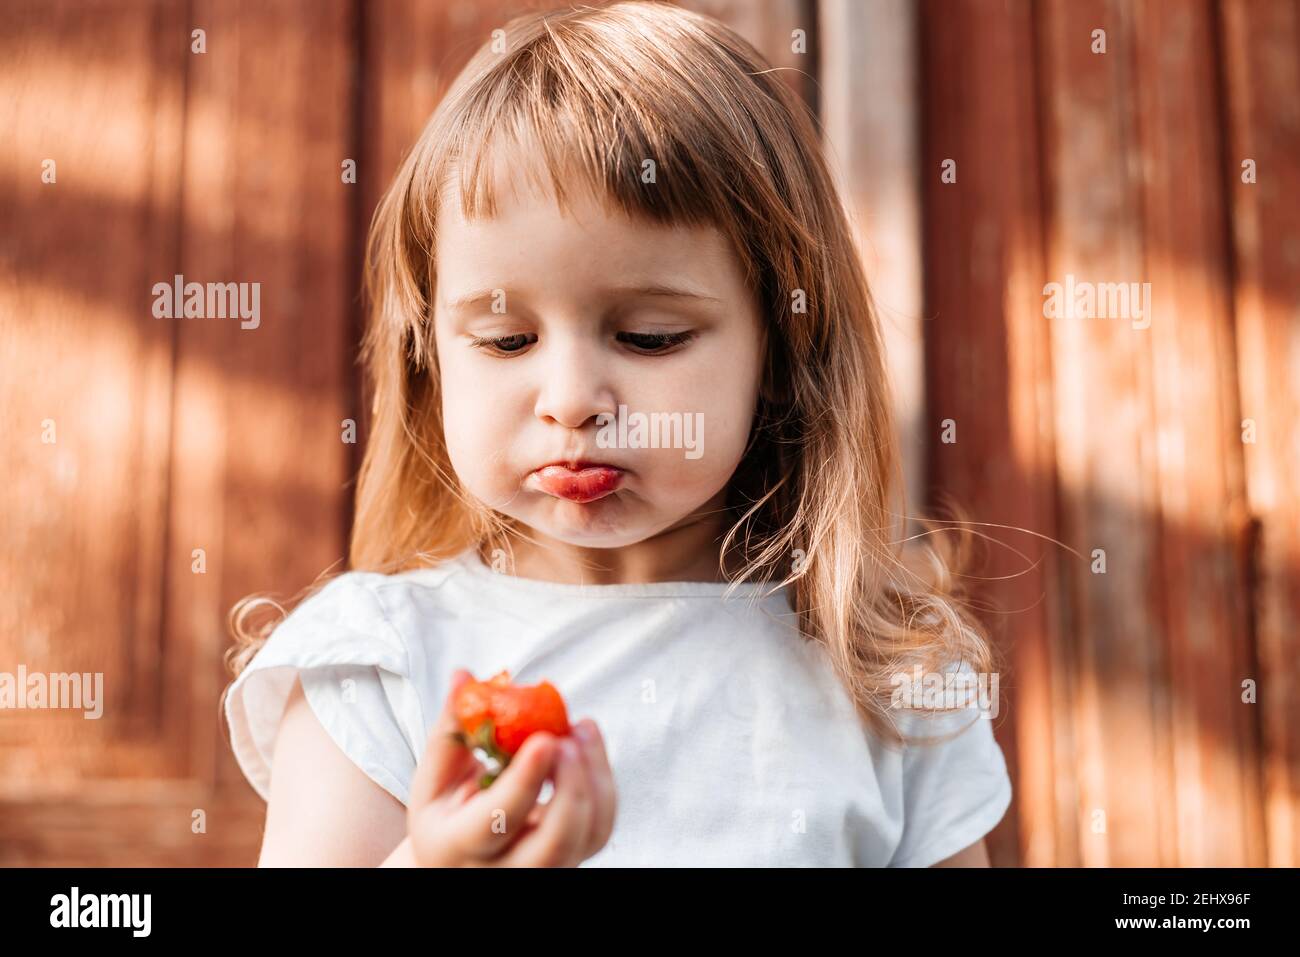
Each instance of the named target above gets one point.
<point>567,112</point>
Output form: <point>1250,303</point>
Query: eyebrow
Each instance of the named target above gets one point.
<point>654,290</point>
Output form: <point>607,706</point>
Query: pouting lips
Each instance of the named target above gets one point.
<point>578,485</point>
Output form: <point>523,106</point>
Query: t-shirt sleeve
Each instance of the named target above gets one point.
<point>355,673</point>
<point>351,704</point>
<point>954,791</point>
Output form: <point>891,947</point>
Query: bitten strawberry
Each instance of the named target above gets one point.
<point>498,716</point>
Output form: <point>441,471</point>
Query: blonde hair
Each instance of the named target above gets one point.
<point>592,93</point>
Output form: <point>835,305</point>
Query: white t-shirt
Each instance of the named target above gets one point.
<point>731,741</point>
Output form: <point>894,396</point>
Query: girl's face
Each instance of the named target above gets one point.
<point>545,323</point>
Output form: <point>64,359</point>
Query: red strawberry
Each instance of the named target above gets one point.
<point>498,716</point>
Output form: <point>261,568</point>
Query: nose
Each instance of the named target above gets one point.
<point>575,387</point>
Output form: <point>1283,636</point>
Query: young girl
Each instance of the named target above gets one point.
<point>630,435</point>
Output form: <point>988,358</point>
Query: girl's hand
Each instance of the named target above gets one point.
<point>452,823</point>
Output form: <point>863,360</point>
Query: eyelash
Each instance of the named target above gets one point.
<point>663,342</point>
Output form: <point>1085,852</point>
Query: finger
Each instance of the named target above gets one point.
<point>491,820</point>
<point>446,761</point>
<point>582,745</point>
<point>558,836</point>
<point>605,795</point>
<point>558,839</point>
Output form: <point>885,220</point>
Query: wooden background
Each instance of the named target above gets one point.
<point>1123,721</point>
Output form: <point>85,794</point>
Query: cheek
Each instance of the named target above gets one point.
<point>471,423</point>
<point>715,442</point>
<point>719,396</point>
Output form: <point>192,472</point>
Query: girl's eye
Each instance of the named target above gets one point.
<point>646,343</point>
<point>653,342</point>
<point>504,345</point>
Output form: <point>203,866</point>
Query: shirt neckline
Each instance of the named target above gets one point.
<point>470,562</point>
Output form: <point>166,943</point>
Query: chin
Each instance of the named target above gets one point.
<point>599,524</point>
<point>588,531</point>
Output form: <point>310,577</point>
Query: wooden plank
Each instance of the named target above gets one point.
<point>988,370</point>
<point>1262,81</point>
<point>1108,464</point>
<point>259,468</point>
<point>147,827</point>
<point>1198,446</point>
<point>870,112</point>
<point>98,92</point>
<point>106,520</point>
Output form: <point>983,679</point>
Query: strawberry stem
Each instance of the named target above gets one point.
<point>484,744</point>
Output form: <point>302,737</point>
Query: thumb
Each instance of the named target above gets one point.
<point>445,760</point>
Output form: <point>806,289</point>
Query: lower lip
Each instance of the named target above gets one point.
<point>577,485</point>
